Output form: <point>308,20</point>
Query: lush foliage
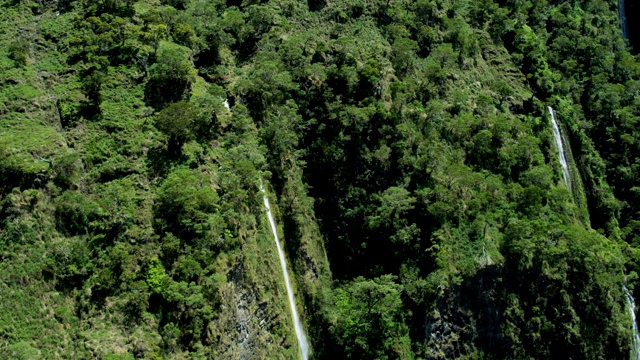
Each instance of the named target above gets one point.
<point>410,139</point>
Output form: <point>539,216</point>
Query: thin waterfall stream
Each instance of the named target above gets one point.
<point>560,146</point>
<point>631,305</point>
<point>623,19</point>
<point>303,343</point>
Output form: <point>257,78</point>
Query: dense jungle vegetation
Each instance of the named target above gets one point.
<point>407,151</point>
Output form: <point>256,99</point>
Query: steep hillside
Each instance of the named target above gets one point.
<point>120,238</point>
<point>408,154</point>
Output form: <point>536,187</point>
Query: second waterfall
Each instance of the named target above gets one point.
<point>631,306</point>
<point>623,19</point>
<point>303,343</point>
<point>562,157</point>
<point>560,146</point>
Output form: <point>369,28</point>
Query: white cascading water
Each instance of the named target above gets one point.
<point>303,343</point>
<point>560,146</point>
<point>623,19</point>
<point>631,305</point>
<point>226,104</point>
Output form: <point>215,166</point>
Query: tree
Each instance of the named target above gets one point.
<point>91,85</point>
<point>157,277</point>
<point>171,76</point>
<point>389,218</point>
<point>183,34</point>
<point>22,350</point>
<point>19,52</point>
<point>187,205</point>
<point>368,322</point>
<point>154,34</point>
<point>403,54</point>
<point>265,85</point>
<point>179,121</point>
<point>124,29</point>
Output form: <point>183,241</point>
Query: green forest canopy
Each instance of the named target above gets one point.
<point>408,149</point>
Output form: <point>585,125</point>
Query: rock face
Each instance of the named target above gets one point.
<point>248,326</point>
<point>243,328</point>
<point>465,316</point>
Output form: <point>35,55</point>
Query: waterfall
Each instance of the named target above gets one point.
<point>303,343</point>
<point>631,305</point>
<point>226,104</point>
<point>623,19</point>
<point>560,146</point>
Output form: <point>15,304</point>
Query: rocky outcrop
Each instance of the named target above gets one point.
<point>467,316</point>
<point>244,327</point>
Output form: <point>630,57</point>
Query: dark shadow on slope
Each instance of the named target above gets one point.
<point>316,5</point>
<point>633,12</point>
<point>162,159</point>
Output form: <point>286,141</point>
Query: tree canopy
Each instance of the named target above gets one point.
<point>406,148</point>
